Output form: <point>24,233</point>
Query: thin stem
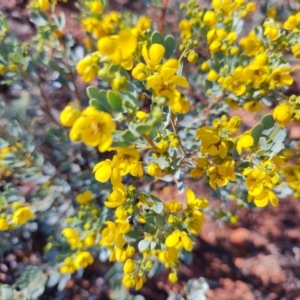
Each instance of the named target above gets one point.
<point>163,15</point>
<point>76,91</point>
<point>176,133</point>
<point>150,142</point>
<point>48,107</point>
<point>274,133</point>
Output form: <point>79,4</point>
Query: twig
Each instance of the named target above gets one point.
<point>163,14</point>
<point>176,132</point>
<point>76,91</point>
<point>150,142</point>
<point>48,107</point>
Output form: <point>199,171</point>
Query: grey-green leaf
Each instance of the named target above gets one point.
<point>115,101</point>
<point>143,245</point>
<point>170,46</point>
<point>157,38</point>
<point>256,132</point>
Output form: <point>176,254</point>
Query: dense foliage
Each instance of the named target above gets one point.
<point>158,108</point>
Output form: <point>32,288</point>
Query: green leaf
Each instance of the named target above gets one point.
<point>123,138</point>
<point>98,99</point>
<point>256,132</point>
<point>115,101</point>
<point>261,152</point>
<point>170,45</point>
<point>157,38</point>
<point>38,19</point>
<point>280,135</point>
<point>17,57</point>
<point>53,279</point>
<point>263,143</point>
<point>6,292</point>
<point>134,234</point>
<point>143,245</point>
<point>275,149</point>
<point>92,92</point>
<point>244,165</point>
<point>144,128</point>
<point>159,220</point>
<point>158,207</point>
<point>268,121</point>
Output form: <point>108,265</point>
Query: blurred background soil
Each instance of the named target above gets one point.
<point>257,258</point>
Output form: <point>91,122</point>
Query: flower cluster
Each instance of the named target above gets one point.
<point>156,112</point>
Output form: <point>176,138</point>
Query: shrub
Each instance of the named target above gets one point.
<point>158,108</point>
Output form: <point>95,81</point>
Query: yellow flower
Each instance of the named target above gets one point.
<point>296,50</point>
<point>245,142</point>
<point>117,196</point>
<point>119,83</point>
<point>89,241</point>
<point>226,7</point>
<point>193,57</point>
<point>154,170</point>
<point>204,66</point>
<point>291,23</point>
<point>185,28</point>
<point>221,174</point>
<point>139,281</point>
<point>250,7</point>
<point>127,162</point>
<point>3,224</point>
<point>112,235</point>
<point>88,67</point>
<point>164,83</point>
<point>104,171</point>
<point>211,142</point>
<point>173,277</point>
<point>212,75</point>
<point>143,23</point>
<point>210,18</point>
<point>129,266</point>
<point>72,236</point>
<point>193,202</point>
<point>153,55</point>
<point>2,69</point>
<point>264,198</point>
<point>128,281</point>
<point>280,77</point>
<point>69,115</point>
<point>95,27</point>
<point>68,266</point>
<point>173,206</point>
<point>179,239</point>
<point>271,12</point>
<point>85,197</point>
<point>119,48</point>
<point>22,215</point>
<point>44,4</point>
<point>141,115</point>
<point>96,7</point>
<point>194,221</point>
<point>252,45</point>
<point>94,128</point>
<point>83,259</point>
<point>121,213</point>
<point>253,106</point>
<point>170,255</point>
<point>235,82</point>
<point>283,114</point>
<point>271,31</point>
<point>140,72</point>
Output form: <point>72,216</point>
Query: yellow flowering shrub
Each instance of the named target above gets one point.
<point>157,108</point>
